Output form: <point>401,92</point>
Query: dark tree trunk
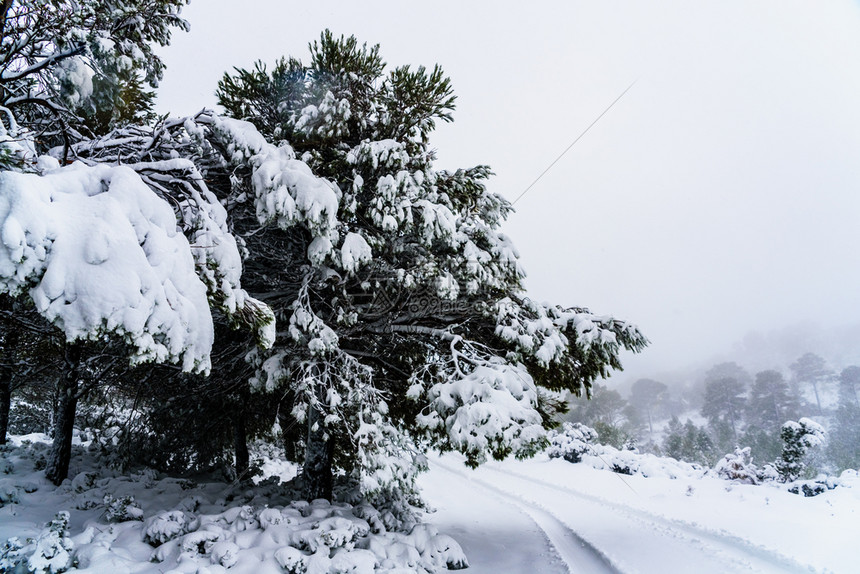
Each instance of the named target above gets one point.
<point>240,445</point>
<point>286,422</point>
<point>10,345</point>
<point>290,428</point>
<point>817,398</point>
<point>5,405</point>
<point>57,468</point>
<point>317,471</point>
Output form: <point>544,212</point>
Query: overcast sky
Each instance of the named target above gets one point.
<point>719,196</point>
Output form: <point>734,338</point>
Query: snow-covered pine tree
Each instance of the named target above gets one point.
<point>96,247</point>
<point>770,403</point>
<point>406,324</point>
<point>66,65</point>
<point>798,437</point>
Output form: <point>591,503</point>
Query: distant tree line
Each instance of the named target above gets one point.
<point>729,409</point>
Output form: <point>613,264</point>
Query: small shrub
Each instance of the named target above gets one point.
<point>122,509</point>
<point>574,440</point>
<point>49,553</point>
<point>738,467</point>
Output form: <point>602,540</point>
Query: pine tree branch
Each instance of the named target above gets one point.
<point>52,59</point>
<point>57,111</point>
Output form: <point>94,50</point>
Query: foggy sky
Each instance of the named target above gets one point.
<point>719,196</point>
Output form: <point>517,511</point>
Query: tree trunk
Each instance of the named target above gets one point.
<point>734,428</point>
<point>240,444</point>
<point>291,431</point>
<point>817,399</point>
<point>10,345</point>
<point>61,449</point>
<point>776,411</point>
<point>287,423</point>
<point>317,472</point>
<point>5,405</point>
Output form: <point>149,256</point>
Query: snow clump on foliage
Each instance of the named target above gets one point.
<point>99,252</point>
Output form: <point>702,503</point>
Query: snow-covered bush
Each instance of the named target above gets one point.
<point>808,488</point>
<point>573,441</point>
<point>166,526</point>
<point>308,537</point>
<point>122,509</point>
<point>738,467</point>
<point>8,492</point>
<point>49,553</point>
<point>798,438</point>
<point>579,443</point>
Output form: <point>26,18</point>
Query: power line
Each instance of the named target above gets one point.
<point>585,131</point>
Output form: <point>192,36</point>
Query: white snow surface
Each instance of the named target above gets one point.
<point>540,516</point>
<point>99,252</point>
<point>691,523</point>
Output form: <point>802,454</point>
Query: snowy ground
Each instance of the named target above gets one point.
<point>545,516</point>
<point>538,517</point>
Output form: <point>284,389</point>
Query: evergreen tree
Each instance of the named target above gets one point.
<point>798,438</point>
<point>723,407</point>
<point>605,406</point>
<point>61,58</point>
<point>849,383</point>
<point>407,321</point>
<point>810,369</point>
<point>769,405</point>
<point>94,248</point>
<point>604,412</point>
<point>770,401</point>
<point>688,442</point>
<point>118,99</point>
<point>843,445</point>
<point>648,395</point>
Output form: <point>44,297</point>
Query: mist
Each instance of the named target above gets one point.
<point>715,205</point>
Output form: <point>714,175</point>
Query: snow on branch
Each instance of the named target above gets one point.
<point>569,343</point>
<point>492,409</point>
<point>98,252</point>
<point>286,189</point>
<point>204,219</point>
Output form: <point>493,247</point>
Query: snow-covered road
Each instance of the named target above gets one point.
<point>496,535</point>
<point>518,529</point>
<point>508,521</point>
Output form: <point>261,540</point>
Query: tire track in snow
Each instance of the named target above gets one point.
<point>578,554</point>
<point>726,547</point>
